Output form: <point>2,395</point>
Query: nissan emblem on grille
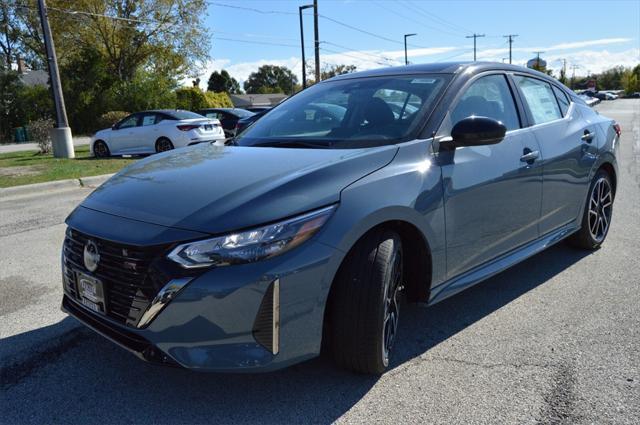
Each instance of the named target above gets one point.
<point>91,256</point>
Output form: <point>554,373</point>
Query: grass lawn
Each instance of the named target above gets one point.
<point>18,168</point>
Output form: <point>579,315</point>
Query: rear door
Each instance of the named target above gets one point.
<point>568,146</point>
<point>492,193</point>
<point>147,133</point>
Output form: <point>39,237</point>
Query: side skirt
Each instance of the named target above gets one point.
<point>493,267</point>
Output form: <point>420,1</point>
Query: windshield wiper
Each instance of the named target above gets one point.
<point>295,144</point>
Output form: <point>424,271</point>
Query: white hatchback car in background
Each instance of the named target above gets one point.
<point>155,131</point>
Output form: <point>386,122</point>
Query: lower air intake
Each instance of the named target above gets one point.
<point>266,327</point>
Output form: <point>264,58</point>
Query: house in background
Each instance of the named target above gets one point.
<point>256,100</point>
<point>28,77</point>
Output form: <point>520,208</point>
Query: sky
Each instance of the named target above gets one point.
<point>591,34</point>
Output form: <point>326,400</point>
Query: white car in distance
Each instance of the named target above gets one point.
<point>155,131</point>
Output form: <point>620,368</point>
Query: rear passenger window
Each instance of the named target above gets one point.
<point>540,98</point>
<point>490,97</point>
<point>563,101</point>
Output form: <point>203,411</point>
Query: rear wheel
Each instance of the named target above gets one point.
<point>597,214</point>
<point>365,303</point>
<point>163,144</point>
<point>101,150</point>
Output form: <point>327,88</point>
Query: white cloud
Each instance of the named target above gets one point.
<point>592,60</point>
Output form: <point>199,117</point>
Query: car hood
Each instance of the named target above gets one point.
<point>216,189</point>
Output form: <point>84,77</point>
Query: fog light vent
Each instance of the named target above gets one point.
<point>266,327</point>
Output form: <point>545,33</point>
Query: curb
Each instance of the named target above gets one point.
<point>42,188</point>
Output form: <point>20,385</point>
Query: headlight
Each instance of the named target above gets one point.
<point>251,245</point>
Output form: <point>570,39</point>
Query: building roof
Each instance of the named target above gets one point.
<point>249,100</point>
<point>36,77</point>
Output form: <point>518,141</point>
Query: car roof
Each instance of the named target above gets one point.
<point>162,110</point>
<point>440,68</point>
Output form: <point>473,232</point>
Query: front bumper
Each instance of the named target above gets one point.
<point>219,321</point>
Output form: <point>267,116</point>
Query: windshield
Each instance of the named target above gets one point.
<point>184,115</point>
<point>348,113</point>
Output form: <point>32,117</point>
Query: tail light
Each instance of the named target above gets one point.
<point>618,129</point>
<point>187,127</point>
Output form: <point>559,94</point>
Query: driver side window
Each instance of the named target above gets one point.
<point>490,97</point>
<point>128,122</point>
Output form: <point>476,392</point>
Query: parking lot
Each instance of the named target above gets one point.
<point>556,339</point>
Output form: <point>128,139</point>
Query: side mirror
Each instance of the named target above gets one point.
<point>114,126</point>
<point>477,131</point>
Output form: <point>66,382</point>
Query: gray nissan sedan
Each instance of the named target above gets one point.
<point>354,196</point>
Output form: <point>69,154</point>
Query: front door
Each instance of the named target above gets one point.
<point>492,193</point>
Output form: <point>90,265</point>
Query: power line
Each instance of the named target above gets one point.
<point>251,9</point>
<point>424,12</point>
<point>411,19</point>
<point>352,56</point>
<point>267,43</point>
<point>361,52</point>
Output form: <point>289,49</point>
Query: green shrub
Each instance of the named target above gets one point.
<point>39,132</point>
<point>218,100</point>
<point>108,119</point>
<point>190,99</point>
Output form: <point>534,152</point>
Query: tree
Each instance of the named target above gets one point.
<point>330,71</point>
<point>223,82</point>
<point>9,33</point>
<point>631,80</point>
<point>563,77</point>
<point>271,79</point>
<point>167,37</point>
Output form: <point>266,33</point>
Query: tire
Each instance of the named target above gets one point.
<point>101,150</point>
<point>596,218</point>
<point>163,144</point>
<point>364,304</point>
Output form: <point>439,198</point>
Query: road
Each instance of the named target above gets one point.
<point>554,340</point>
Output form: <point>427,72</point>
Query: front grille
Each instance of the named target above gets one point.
<point>122,269</point>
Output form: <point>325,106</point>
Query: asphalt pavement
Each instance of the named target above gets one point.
<point>555,339</point>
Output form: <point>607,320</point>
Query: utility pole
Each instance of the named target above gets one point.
<point>573,75</point>
<point>474,36</point>
<point>317,39</point>
<point>538,67</point>
<point>406,59</point>
<point>304,63</point>
<point>510,37</point>
<point>61,139</point>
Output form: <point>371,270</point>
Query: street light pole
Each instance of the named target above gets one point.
<point>304,63</point>
<point>406,60</point>
<point>317,39</point>
<point>61,139</point>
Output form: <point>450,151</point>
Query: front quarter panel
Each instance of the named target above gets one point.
<point>409,189</point>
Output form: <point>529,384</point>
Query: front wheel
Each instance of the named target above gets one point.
<point>365,303</point>
<point>596,218</point>
<point>101,150</point>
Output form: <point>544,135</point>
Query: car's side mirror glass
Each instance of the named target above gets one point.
<point>477,131</point>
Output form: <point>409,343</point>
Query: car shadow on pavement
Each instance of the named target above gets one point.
<point>81,377</point>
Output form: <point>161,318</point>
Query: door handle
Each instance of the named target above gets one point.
<point>529,156</point>
<point>587,136</point>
